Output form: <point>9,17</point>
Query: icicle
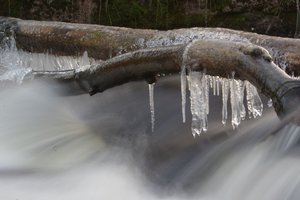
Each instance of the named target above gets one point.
<point>198,85</point>
<point>218,85</point>
<point>183,91</point>
<point>257,103</point>
<point>58,64</point>
<point>249,97</point>
<point>183,78</point>
<point>214,85</point>
<point>151,101</point>
<point>210,78</point>
<point>234,101</point>
<point>225,91</point>
<point>83,64</point>
<point>206,92</point>
<point>241,91</point>
<point>85,59</point>
<point>254,103</point>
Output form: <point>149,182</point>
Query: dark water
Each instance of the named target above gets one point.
<point>102,147</point>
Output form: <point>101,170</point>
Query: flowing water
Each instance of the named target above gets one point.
<point>97,147</point>
<point>104,147</point>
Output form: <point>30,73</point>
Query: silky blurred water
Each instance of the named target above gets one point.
<point>102,147</point>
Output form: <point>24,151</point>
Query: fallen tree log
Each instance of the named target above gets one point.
<point>151,52</point>
<point>104,42</point>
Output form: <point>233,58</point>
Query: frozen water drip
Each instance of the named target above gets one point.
<point>151,102</point>
<point>198,86</point>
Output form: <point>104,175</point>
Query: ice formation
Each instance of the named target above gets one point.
<point>199,96</point>
<point>238,111</point>
<point>16,64</point>
<point>254,103</point>
<point>151,102</point>
<point>199,84</point>
<point>183,79</point>
<point>225,93</point>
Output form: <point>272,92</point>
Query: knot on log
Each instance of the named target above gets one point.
<point>256,52</point>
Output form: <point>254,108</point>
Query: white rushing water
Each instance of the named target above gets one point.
<point>49,149</point>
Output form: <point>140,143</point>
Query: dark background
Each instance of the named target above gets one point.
<point>273,17</point>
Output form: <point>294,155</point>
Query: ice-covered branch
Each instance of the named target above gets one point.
<point>216,57</point>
